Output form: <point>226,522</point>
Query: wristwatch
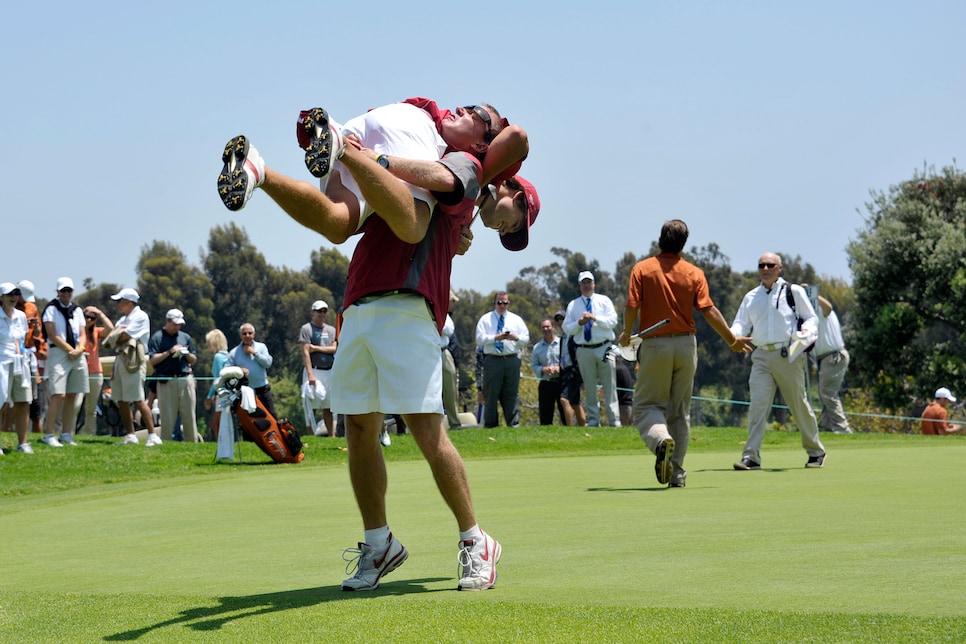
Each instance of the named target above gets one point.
<point>383,160</point>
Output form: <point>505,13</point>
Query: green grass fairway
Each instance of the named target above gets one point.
<point>870,548</point>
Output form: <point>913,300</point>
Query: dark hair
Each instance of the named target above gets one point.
<point>674,235</point>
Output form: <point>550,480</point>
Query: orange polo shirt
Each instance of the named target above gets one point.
<point>667,286</point>
<point>934,420</point>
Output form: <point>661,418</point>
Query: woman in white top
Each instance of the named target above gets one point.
<point>14,369</point>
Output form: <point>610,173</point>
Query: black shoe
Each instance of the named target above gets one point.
<point>662,465</point>
<point>324,141</point>
<point>815,461</point>
<point>676,484</point>
<point>747,464</point>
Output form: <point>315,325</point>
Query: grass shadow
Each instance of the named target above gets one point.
<point>228,609</point>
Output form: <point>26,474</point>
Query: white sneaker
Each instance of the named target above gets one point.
<point>244,170</point>
<point>67,439</point>
<point>130,439</point>
<point>51,440</point>
<point>372,565</point>
<point>1,451</point>
<point>25,448</point>
<point>478,561</point>
<point>152,440</point>
<point>384,438</point>
<point>322,140</point>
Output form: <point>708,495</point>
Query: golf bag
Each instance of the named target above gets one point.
<point>277,438</point>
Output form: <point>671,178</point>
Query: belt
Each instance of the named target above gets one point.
<point>171,376</point>
<point>593,346</point>
<point>830,353</point>
<point>670,335</point>
<point>372,297</point>
<point>773,346</point>
<point>507,355</point>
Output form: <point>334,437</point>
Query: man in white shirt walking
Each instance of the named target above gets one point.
<point>766,318</point>
<point>591,319</point>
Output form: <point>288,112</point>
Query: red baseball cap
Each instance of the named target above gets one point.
<point>519,239</point>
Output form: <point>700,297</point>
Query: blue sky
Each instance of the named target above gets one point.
<point>764,125</point>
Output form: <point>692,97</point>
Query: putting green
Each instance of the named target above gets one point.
<point>875,531</point>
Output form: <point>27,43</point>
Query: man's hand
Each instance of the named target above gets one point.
<point>466,240</point>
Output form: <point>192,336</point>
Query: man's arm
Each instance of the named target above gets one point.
<point>307,361</point>
<point>509,148</point>
<point>630,319</point>
<point>608,318</point>
<point>825,305</point>
<point>713,317</point>
<point>262,356</point>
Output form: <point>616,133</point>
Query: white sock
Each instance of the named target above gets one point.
<point>473,534</point>
<point>377,538</point>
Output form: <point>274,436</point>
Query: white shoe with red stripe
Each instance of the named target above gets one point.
<point>244,170</point>
<point>371,565</point>
<point>478,561</point>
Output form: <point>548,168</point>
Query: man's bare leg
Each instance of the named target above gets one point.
<point>367,468</point>
<point>446,463</point>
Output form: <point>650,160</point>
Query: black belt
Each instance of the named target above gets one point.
<point>830,353</point>
<point>372,297</point>
<point>162,376</point>
<point>593,346</point>
<point>508,355</point>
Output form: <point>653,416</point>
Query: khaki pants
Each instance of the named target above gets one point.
<point>662,394</point>
<point>175,396</point>
<point>771,371</point>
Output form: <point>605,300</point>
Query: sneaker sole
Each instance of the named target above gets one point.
<point>318,157</point>
<point>663,467</point>
<point>233,180</point>
<point>396,561</point>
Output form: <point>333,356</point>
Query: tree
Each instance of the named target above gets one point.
<point>909,268</point>
<point>166,281</point>
<point>330,269</point>
<point>238,273</point>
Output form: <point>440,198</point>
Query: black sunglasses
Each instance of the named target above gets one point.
<point>766,265</point>
<point>502,302</point>
<point>489,135</point>
<point>13,293</point>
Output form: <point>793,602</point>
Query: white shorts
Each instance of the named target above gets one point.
<point>389,359</point>
<point>401,130</point>
<point>66,375</point>
<point>11,384</point>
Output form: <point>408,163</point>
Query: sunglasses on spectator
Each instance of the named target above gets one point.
<point>767,265</point>
<point>502,302</point>
<point>489,135</point>
<point>13,293</point>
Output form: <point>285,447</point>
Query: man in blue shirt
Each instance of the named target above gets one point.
<point>545,364</point>
<point>172,353</point>
<point>253,357</point>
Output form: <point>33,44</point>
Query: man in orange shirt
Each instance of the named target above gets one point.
<point>667,286</point>
<point>935,415</point>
